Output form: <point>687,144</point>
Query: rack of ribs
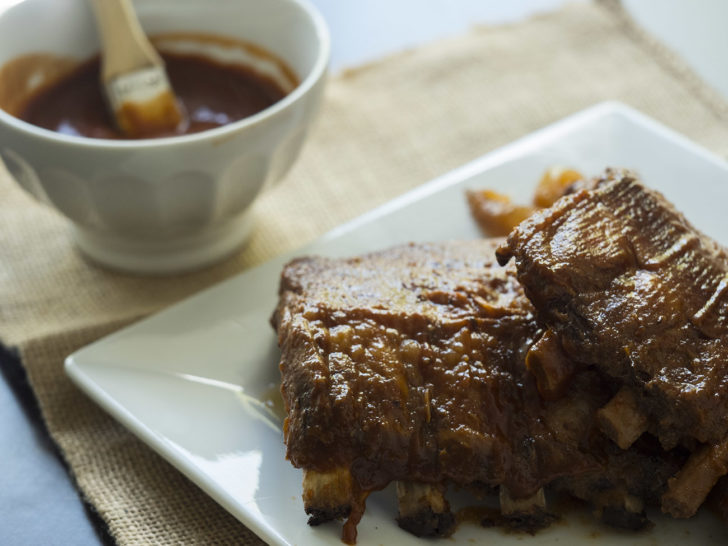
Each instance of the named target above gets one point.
<point>408,365</point>
<point>624,284</point>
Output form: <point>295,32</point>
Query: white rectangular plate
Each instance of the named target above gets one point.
<point>195,381</point>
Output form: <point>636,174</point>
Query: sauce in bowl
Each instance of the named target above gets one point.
<point>212,93</point>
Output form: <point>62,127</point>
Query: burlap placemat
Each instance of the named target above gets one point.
<point>383,129</point>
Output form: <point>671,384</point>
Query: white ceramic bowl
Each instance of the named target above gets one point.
<point>170,204</point>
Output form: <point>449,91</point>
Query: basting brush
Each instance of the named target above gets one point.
<point>139,95</point>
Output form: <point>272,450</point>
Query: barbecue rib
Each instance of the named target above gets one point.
<point>409,365</point>
<point>628,286</point>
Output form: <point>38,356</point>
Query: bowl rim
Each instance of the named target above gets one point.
<point>314,75</point>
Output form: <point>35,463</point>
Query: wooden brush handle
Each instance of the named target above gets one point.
<point>125,47</point>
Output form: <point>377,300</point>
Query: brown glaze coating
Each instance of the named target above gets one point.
<point>383,364</point>
<point>212,94</point>
<point>409,364</point>
<point>633,289</point>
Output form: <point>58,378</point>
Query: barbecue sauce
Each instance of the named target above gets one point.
<point>212,94</point>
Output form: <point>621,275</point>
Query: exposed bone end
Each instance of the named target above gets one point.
<point>612,503</point>
<point>621,419</point>
<point>550,366</point>
<point>327,495</point>
<point>423,510</point>
<point>625,511</point>
<point>687,490</point>
<point>616,516</point>
<point>527,514</point>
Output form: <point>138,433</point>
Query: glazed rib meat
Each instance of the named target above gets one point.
<point>624,283</point>
<point>399,366</point>
<point>409,365</point>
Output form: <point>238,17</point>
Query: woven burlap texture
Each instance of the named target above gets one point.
<point>135,492</point>
<point>383,129</point>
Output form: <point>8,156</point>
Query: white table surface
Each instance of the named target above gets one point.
<point>38,504</point>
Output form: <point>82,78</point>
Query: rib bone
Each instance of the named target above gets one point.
<point>528,514</point>
<point>550,366</point>
<point>688,489</point>
<point>625,511</point>
<point>327,495</point>
<point>423,510</point>
<point>621,419</point>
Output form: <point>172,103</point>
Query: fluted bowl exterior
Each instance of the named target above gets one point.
<point>152,203</point>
